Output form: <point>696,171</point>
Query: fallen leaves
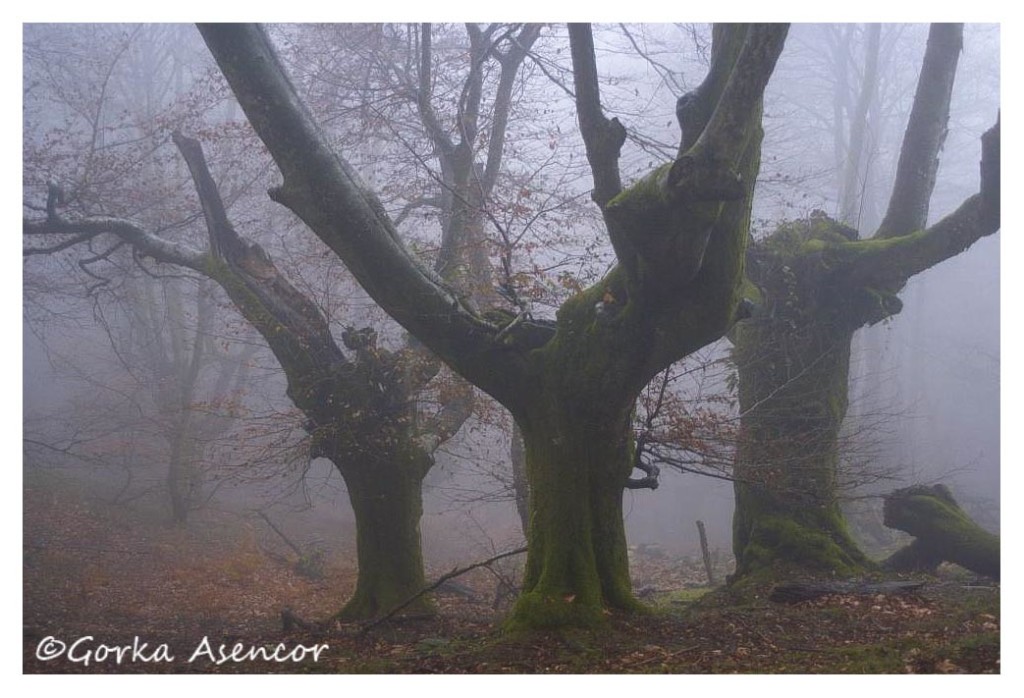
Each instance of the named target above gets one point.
<point>93,571</point>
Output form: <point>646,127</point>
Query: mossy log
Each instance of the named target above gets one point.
<point>943,532</point>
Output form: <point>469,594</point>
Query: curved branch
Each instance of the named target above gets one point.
<point>84,230</point>
<point>602,137</point>
<point>889,262</point>
<point>327,194</point>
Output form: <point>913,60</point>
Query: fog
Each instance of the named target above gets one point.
<point>101,102</point>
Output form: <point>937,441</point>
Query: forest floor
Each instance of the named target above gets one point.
<point>118,577</point>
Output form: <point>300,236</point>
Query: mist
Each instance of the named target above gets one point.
<point>164,427</point>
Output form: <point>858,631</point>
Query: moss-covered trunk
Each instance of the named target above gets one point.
<point>577,567</point>
<point>793,398</point>
<point>386,496</point>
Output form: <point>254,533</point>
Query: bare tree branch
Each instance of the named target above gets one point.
<point>926,132</point>
<point>602,137</point>
<point>324,190</point>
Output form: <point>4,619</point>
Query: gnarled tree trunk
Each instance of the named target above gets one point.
<point>577,459</point>
<point>814,284</point>
<point>792,397</point>
<point>385,490</point>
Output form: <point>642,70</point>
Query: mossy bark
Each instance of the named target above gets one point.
<point>793,398</point>
<point>817,284</point>
<point>793,363</point>
<point>386,496</point>
<point>571,389</point>
<point>576,423</point>
<point>578,566</point>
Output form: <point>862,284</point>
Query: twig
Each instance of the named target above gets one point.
<point>440,580</point>
<point>665,657</point>
<point>278,531</point>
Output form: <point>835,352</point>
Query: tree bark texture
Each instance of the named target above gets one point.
<point>793,362</point>
<point>385,489</point>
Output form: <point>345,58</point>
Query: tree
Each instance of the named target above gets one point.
<point>361,408</point>
<point>168,359</point>
<point>357,406</point>
<point>679,235</point>
<point>89,92</point>
<point>816,285</point>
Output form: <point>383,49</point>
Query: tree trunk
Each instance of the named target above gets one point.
<point>386,496</point>
<point>577,565</point>
<point>520,486</point>
<point>793,398</point>
<point>180,470</point>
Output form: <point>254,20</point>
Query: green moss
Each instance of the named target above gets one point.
<point>679,597</point>
<point>576,459</point>
<point>385,492</point>
<point>933,516</point>
<point>539,611</point>
<point>644,194</point>
<point>779,539</point>
<point>751,292</point>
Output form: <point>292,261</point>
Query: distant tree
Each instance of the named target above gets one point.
<point>194,384</point>
<point>816,284</point>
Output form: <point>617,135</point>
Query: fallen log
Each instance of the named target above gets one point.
<point>943,532</point>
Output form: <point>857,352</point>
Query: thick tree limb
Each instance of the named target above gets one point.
<point>742,94</point>
<point>294,328</point>
<point>602,137</point>
<point>224,241</point>
<point>926,132</point>
<point>661,227</point>
<point>693,109</point>
<point>888,263</point>
<point>324,190</point>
